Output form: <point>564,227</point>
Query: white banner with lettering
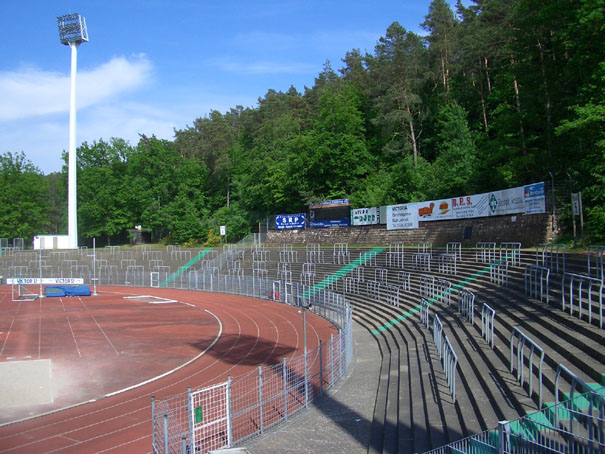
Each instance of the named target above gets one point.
<point>529,199</point>
<point>403,216</point>
<point>365,216</point>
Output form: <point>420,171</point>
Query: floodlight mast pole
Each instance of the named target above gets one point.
<point>72,32</point>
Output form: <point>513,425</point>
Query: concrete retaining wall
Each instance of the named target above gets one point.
<point>529,230</point>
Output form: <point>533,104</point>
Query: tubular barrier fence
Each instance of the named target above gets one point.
<point>487,324</point>
<point>579,296</point>
<point>519,348</point>
<point>551,256</point>
<point>537,282</point>
<point>580,431</point>
<point>228,413</point>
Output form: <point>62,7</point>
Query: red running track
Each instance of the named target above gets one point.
<point>102,344</point>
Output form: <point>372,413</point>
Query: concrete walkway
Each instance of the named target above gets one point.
<point>338,422</point>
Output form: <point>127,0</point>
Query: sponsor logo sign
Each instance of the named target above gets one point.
<point>290,221</point>
<point>365,216</point>
<point>535,198</point>
<point>402,216</point>
<point>45,281</point>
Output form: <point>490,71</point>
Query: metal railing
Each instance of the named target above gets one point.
<point>487,324</point>
<point>466,304</point>
<point>228,413</point>
<point>542,432</point>
<point>523,339</point>
<point>485,252</point>
<point>498,272</point>
<point>551,256</point>
<point>596,256</point>
<point>511,252</point>
<point>537,282</point>
<point>578,281</point>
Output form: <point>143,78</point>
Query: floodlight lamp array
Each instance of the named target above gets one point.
<point>72,29</point>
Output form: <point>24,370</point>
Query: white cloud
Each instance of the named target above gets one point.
<point>263,67</point>
<point>32,92</point>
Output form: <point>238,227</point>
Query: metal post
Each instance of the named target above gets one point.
<point>573,216</point>
<point>229,432</point>
<point>285,382</point>
<point>165,434</point>
<point>554,216</point>
<point>190,415</point>
<point>153,422</point>
<point>260,396</point>
<point>502,436</point>
<point>40,268</point>
<point>321,369</point>
<point>184,445</point>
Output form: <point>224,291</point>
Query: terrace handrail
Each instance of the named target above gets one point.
<point>522,339</point>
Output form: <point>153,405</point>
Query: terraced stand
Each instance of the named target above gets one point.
<point>415,410</point>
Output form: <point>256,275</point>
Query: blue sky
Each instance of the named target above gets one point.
<point>155,65</point>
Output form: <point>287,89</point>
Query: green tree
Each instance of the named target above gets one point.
<point>102,209</point>
<point>400,67</point>
<point>456,164</point>
<point>23,191</point>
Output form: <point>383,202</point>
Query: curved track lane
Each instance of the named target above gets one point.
<point>253,332</point>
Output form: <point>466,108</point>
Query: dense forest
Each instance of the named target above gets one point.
<point>497,94</point>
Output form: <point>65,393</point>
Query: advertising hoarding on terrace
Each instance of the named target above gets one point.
<point>290,221</point>
<point>403,216</point>
<point>365,216</point>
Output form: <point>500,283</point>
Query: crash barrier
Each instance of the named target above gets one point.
<point>519,350</point>
<point>288,254</point>
<point>447,355</point>
<point>466,304</point>
<point>595,261</point>
<point>581,407</point>
<point>395,255</point>
<point>551,256</point>
<point>228,413</point>
<point>314,254</point>
<point>543,431</point>
<point>447,264</point>
<point>425,247</point>
<point>511,252</point>
<point>421,261</point>
<point>424,312</point>
<point>580,290</point>
<point>341,254</point>
<point>485,252</point>
<point>367,259</point>
<point>537,282</point>
<point>404,279</point>
<point>435,288</point>
<point>454,248</point>
<point>381,275</point>
<point>498,272</point>
<point>487,324</point>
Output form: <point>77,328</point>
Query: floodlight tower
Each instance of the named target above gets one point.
<point>72,32</point>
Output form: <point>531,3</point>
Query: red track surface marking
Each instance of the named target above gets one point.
<point>254,332</point>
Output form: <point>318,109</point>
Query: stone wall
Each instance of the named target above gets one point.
<point>529,230</point>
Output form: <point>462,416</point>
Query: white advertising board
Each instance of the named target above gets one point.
<point>435,210</point>
<point>45,281</point>
<point>403,216</point>
<point>365,216</point>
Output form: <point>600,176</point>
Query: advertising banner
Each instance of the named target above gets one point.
<point>471,206</point>
<point>328,203</point>
<point>402,216</point>
<point>535,198</point>
<point>317,224</point>
<point>507,201</point>
<point>435,210</point>
<point>365,216</point>
<point>290,221</point>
